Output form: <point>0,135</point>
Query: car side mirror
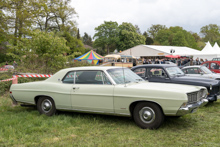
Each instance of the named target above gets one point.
<point>201,73</point>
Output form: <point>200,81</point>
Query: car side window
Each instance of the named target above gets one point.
<point>91,77</point>
<point>69,78</point>
<point>140,71</point>
<point>156,72</point>
<point>206,64</point>
<point>185,71</point>
<point>193,71</point>
<point>214,66</point>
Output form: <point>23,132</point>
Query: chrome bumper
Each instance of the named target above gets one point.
<point>13,100</point>
<point>191,107</point>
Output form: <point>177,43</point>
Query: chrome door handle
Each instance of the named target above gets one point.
<point>74,88</point>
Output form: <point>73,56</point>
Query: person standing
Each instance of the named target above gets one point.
<point>15,64</point>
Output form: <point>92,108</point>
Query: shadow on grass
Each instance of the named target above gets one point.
<point>170,122</point>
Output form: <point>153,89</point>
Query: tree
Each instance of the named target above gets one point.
<point>128,36</point>
<point>154,29</point>
<point>148,39</point>
<point>137,29</point>
<point>54,15</point>
<point>45,50</point>
<point>87,39</point>
<point>210,33</point>
<point>18,17</point>
<point>106,35</point>
<point>73,43</point>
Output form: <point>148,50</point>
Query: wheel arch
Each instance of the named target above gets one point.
<point>133,104</point>
<point>39,96</point>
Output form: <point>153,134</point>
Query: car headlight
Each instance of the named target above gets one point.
<point>202,94</point>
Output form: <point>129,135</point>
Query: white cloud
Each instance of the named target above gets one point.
<point>189,14</point>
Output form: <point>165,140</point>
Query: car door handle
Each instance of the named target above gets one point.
<point>74,88</point>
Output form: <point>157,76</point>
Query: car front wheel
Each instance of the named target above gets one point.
<point>46,105</point>
<point>148,115</point>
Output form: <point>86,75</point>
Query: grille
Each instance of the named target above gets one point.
<point>193,97</point>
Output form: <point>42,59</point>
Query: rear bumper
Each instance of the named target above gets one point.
<point>191,107</point>
<point>13,100</point>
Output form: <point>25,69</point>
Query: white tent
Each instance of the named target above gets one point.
<point>208,49</point>
<point>158,50</point>
<point>216,48</point>
<point>208,52</point>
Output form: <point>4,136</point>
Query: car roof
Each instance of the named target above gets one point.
<point>211,61</point>
<point>192,66</point>
<point>92,68</point>
<point>155,65</point>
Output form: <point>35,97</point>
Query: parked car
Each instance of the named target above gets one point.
<point>110,90</point>
<point>212,65</point>
<point>216,59</point>
<point>200,71</point>
<point>165,73</point>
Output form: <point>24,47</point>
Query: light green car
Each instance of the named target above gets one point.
<point>112,91</point>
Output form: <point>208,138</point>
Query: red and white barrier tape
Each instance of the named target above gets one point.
<point>33,76</point>
<point>3,69</point>
<point>7,80</point>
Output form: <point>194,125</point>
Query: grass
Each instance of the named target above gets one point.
<point>23,126</point>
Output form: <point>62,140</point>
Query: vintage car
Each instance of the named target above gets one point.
<point>165,73</point>
<point>110,90</point>
<point>212,65</point>
<point>200,71</point>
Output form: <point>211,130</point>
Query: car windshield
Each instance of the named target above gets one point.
<point>174,71</point>
<point>206,70</point>
<point>123,75</point>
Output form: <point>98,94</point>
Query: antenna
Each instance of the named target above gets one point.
<point>124,72</point>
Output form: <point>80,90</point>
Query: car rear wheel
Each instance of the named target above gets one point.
<point>46,105</point>
<point>148,115</point>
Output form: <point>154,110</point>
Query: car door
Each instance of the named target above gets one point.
<point>157,74</point>
<point>141,71</point>
<point>215,67</point>
<point>92,91</point>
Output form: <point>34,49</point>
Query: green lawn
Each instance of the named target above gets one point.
<point>22,126</point>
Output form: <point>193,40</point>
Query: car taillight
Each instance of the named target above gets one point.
<point>10,91</point>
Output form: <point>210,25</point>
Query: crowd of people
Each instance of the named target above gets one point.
<point>178,61</point>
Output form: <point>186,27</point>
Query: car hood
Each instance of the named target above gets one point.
<point>164,87</point>
<point>213,76</point>
<point>198,81</point>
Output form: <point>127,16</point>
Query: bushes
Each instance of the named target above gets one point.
<point>4,86</point>
<point>34,67</point>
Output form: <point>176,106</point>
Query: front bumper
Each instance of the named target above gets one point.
<point>212,98</point>
<point>191,107</point>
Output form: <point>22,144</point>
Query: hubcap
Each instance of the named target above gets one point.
<point>147,115</point>
<point>46,105</point>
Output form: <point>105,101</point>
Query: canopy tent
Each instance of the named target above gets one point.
<point>91,57</point>
<point>208,52</point>
<point>216,48</point>
<point>173,56</point>
<point>158,50</point>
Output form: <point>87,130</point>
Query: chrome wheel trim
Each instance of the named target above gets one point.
<point>147,115</point>
<point>46,105</point>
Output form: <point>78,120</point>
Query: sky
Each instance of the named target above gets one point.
<point>191,15</point>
